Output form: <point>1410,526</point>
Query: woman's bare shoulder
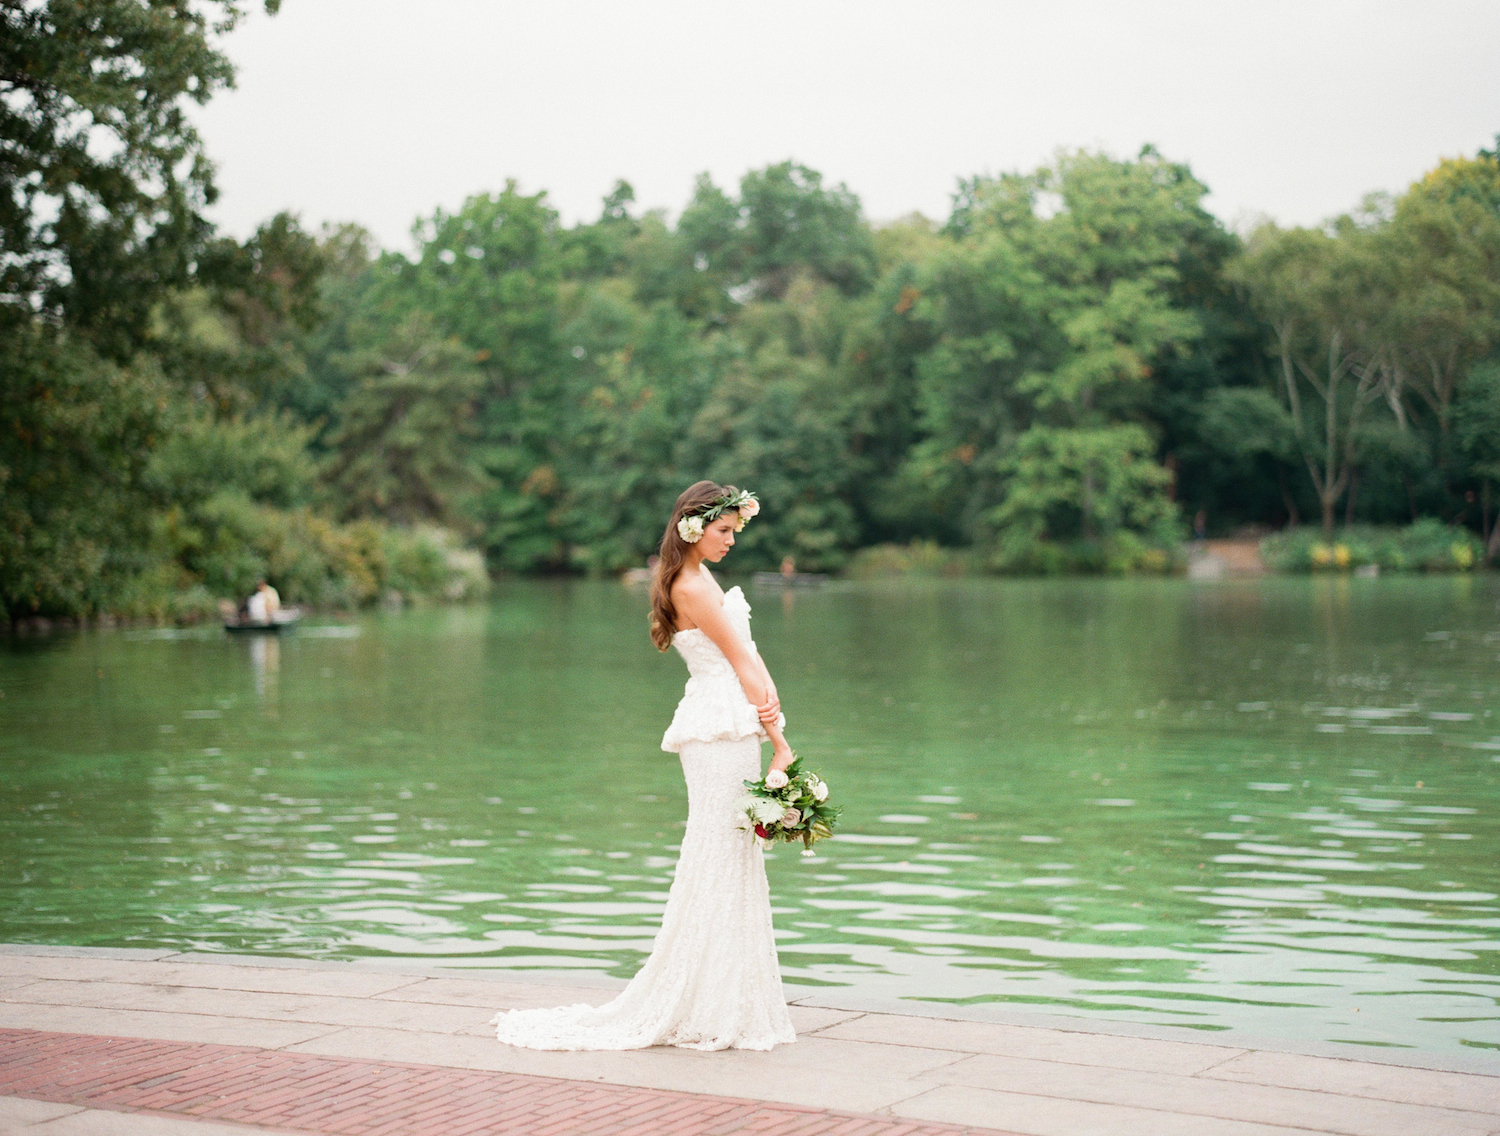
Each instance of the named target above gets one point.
<point>697,597</point>
<point>692,586</point>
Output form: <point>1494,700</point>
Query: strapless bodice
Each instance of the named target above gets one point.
<point>702,654</point>
<point>714,706</point>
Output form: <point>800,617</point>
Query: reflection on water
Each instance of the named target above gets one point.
<point>1267,805</point>
<point>265,664</point>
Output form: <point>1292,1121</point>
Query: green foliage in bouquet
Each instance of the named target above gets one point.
<point>798,810</point>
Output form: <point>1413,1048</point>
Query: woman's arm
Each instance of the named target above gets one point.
<point>701,604</point>
<point>781,753</point>
<point>769,681</point>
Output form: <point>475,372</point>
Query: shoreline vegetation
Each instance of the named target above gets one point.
<point>1073,371</point>
<point>396,568</point>
<point>1427,546</point>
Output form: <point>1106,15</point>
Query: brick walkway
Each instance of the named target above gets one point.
<point>229,1083</point>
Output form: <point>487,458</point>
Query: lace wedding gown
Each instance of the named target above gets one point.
<point>712,981</point>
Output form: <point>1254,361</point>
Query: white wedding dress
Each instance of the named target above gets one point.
<point>712,980</point>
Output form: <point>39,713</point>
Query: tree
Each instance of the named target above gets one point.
<point>890,330</point>
<point>792,223</point>
<point>1090,481</point>
<point>1057,303</point>
<point>491,278</point>
<point>602,244</point>
<point>489,275</point>
<point>103,177</point>
<point>711,256</point>
<point>102,184</point>
<point>1317,291</point>
<point>1476,421</point>
<point>1443,243</point>
<point>77,435</point>
<point>644,372</point>
<point>403,448</point>
<point>774,423</point>
<point>350,315</point>
<point>234,341</point>
<point>1240,431</point>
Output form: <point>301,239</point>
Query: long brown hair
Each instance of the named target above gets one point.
<point>671,555</point>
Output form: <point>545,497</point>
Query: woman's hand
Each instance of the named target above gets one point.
<point>782,756</point>
<point>770,711</point>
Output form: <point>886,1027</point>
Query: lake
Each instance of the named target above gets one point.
<point>1266,806</point>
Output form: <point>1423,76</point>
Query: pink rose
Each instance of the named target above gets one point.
<point>791,818</point>
<point>749,508</point>
<point>776,779</point>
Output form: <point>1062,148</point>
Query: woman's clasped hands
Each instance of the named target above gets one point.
<point>770,710</point>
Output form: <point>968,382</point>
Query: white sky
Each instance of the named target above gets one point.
<point>378,111</point>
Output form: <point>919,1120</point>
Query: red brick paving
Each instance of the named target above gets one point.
<point>342,1097</point>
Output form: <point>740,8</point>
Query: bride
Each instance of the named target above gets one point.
<point>712,981</point>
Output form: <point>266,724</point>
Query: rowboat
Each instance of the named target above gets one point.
<point>278,623</point>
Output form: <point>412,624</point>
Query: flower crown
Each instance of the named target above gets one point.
<point>690,527</point>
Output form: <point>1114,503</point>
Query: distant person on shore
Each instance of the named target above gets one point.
<point>788,567</point>
<point>263,603</point>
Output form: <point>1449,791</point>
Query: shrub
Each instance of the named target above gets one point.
<point>920,558</point>
<point>1426,546</point>
<point>429,563</point>
<point>1432,546</point>
<point>223,545</point>
<point>1120,553</point>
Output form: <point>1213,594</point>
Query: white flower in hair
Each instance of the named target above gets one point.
<point>690,529</point>
<point>748,507</point>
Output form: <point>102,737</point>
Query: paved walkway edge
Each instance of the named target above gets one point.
<point>131,1026</point>
<point>828,998</point>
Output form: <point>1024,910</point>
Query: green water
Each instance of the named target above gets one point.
<point>1267,806</point>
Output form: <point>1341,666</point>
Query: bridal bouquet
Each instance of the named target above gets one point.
<point>790,804</point>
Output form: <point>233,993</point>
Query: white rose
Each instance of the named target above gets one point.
<point>776,779</point>
<point>820,792</point>
<point>690,529</point>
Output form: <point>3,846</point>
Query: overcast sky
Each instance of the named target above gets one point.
<point>378,111</point>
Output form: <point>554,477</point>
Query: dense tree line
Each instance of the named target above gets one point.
<point>1062,374</point>
<point>1074,364</point>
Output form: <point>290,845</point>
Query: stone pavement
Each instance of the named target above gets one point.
<point>298,1093</point>
<point>158,1043</point>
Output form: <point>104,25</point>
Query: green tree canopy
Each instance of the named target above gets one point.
<point>1059,299</point>
<point>103,178</point>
